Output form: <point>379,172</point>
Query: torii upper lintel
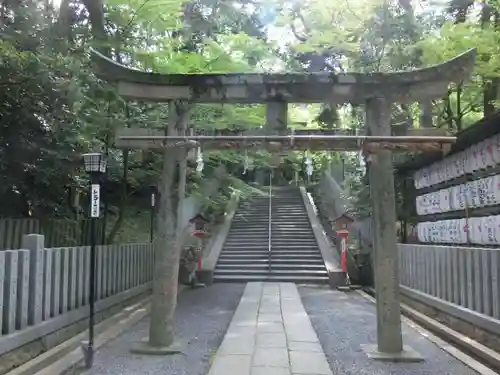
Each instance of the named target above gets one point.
<point>406,86</point>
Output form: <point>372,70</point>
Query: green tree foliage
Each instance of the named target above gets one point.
<point>54,108</point>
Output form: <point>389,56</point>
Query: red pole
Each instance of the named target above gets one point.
<point>199,234</point>
<point>199,260</point>
<point>343,234</point>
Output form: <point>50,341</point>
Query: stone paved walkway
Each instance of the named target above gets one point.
<point>270,334</point>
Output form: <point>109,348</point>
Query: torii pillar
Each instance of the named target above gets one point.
<point>385,253</point>
<point>403,87</point>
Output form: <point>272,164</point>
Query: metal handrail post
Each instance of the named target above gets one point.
<point>270,219</point>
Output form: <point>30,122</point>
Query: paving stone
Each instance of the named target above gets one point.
<point>268,311</point>
<point>272,332</point>
<point>270,370</point>
<point>240,331</point>
<point>270,318</point>
<point>305,346</point>
<point>231,364</point>
<point>297,322</point>
<point>271,327</point>
<point>309,363</point>
<point>241,346</point>
<point>271,291</point>
<point>246,322</point>
<point>277,357</point>
<point>271,340</point>
<point>300,334</point>
<point>242,318</point>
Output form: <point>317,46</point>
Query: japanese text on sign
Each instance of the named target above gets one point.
<point>94,200</point>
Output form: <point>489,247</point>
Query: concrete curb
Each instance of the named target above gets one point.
<point>453,336</point>
<point>214,247</point>
<point>326,248</point>
<point>68,354</point>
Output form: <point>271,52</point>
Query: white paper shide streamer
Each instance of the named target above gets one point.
<point>245,163</point>
<point>199,160</point>
<point>309,165</point>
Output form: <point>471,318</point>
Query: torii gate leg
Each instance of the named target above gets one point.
<point>385,261</point>
<point>167,249</point>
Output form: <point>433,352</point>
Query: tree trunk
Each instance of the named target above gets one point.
<point>166,247</point>
<point>460,115</point>
<point>96,16</point>
<point>123,200</point>
<point>65,21</point>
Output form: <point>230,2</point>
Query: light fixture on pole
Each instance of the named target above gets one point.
<point>95,165</point>
<point>342,163</point>
<point>153,190</point>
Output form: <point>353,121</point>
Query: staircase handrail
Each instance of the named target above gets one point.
<point>270,219</point>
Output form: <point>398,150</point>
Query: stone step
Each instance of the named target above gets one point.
<point>241,260</point>
<point>292,245</point>
<point>265,255</point>
<point>274,266</point>
<point>245,238</point>
<point>262,217</point>
<point>274,271</point>
<point>274,249</point>
<point>256,231</point>
<point>274,246</point>
<point>275,242</point>
<point>284,217</point>
<point>274,203</point>
<point>290,261</point>
<point>248,236</point>
<point>286,235</point>
<point>274,223</point>
<point>271,277</point>
<point>277,257</point>
<point>274,234</point>
<point>274,208</point>
<point>259,224</point>
<point>294,256</point>
<point>273,255</point>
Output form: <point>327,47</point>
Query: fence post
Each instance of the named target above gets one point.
<point>2,277</point>
<point>35,243</point>
<point>10,291</point>
<point>23,288</point>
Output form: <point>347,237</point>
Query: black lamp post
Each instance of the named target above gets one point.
<point>342,162</point>
<point>95,166</point>
<point>152,219</point>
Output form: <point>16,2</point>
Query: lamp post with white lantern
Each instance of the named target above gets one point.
<point>95,165</point>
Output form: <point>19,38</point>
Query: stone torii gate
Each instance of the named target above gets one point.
<point>375,91</point>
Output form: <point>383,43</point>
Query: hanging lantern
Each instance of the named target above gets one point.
<point>199,160</point>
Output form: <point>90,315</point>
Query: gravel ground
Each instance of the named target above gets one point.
<point>201,320</point>
<point>344,322</point>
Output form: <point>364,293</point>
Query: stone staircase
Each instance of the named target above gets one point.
<point>294,255</point>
